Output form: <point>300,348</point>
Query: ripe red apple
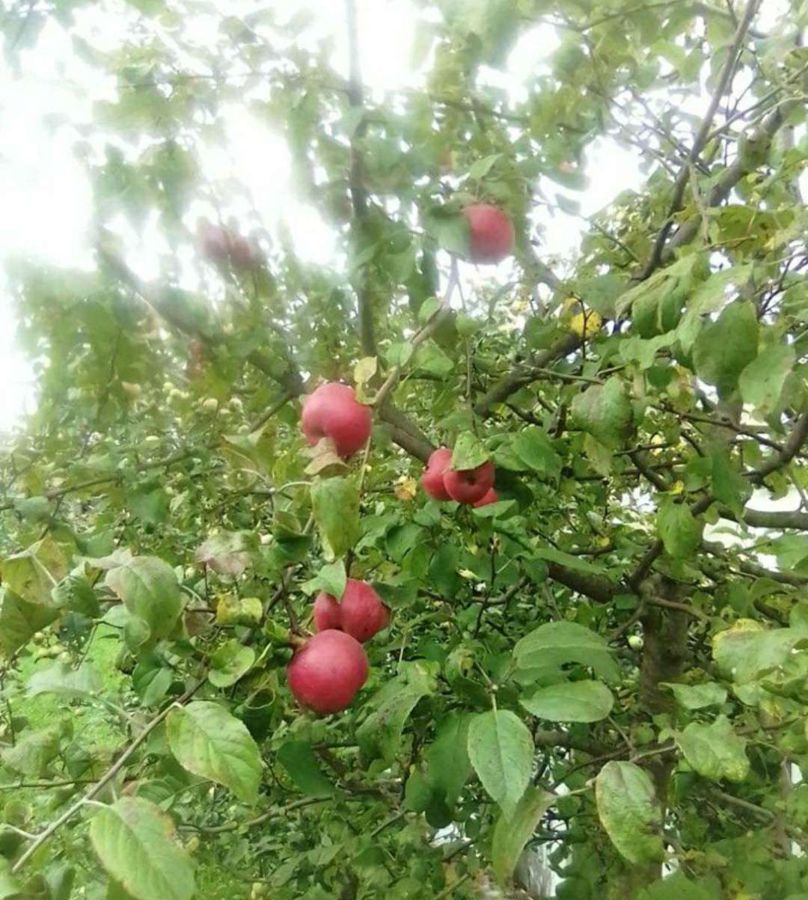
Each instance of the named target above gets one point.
<point>362,612</point>
<point>490,496</point>
<point>326,612</point>
<point>326,673</point>
<point>214,240</point>
<point>469,485</point>
<point>432,479</point>
<point>491,234</point>
<point>332,410</point>
<point>243,255</point>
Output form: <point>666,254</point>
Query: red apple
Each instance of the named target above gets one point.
<point>333,411</point>
<point>490,496</point>
<point>326,673</point>
<point>242,253</point>
<point>362,612</point>
<point>214,241</point>
<point>326,612</point>
<point>432,479</point>
<point>491,234</point>
<point>469,485</point>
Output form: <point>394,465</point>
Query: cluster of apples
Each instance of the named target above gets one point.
<point>326,673</point>
<point>329,669</point>
<point>225,247</point>
<point>472,486</point>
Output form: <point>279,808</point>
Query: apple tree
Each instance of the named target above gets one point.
<point>600,672</point>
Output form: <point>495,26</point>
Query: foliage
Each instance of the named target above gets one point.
<point>586,665</point>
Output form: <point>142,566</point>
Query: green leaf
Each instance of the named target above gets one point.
<point>748,650</point>
<point>135,842</point>
<point>298,758</point>
<point>34,573</point>
<point>61,678</point>
<point>678,529</point>
<point>74,592</point>
<point>679,887</point>
<point>335,505</point>
<point>512,832</point>
<point>468,452</point>
<point>150,591</point>
<point>229,552</point>
<point>208,741</point>
<point>697,696</point>
<point>501,751</point>
<point>575,701</point>
<point>725,347</point>
<point>558,643</point>
<point>33,753</point>
<point>430,358</point>
<point>762,381</point>
<point>481,167</point>
<point>714,750</point>
<point>399,353</point>
<point>449,228</point>
<point>10,888</point>
<point>447,761</point>
<point>709,297</point>
<point>629,812</point>
<point>233,610</point>
<point>535,449</point>
<point>365,369</point>
<point>230,663</point>
<point>605,412</point>
<point>729,485</point>
<point>331,578</point>
<point>20,620</point>
<point>150,506</point>
<point>379,736</point>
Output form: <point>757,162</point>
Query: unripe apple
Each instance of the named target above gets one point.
<point>326,673</point>
<point>326,612</point>
<point>361,610</point>
<point>490,496</point>
<point>432,479</point>
<point>333,411</point>
<point>469,485</point>
<point>491,235</point>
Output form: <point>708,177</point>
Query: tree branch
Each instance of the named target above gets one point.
<point>790,449</point>
<point>597,587</point>
<point>521,376</point>
<point>680,184</point>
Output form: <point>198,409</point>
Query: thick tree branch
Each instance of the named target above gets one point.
<point>790,449</point>
<point>597,587</point>
<point>523,375</point>
<point>792,446</point>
